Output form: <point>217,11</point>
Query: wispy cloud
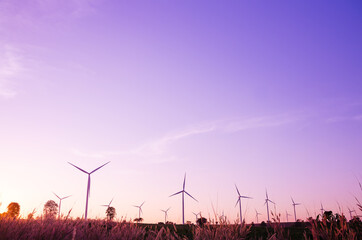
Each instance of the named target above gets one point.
<point>73,8</point>
<point>10,67</point>
<point>242,124</point>
<point>357,117</point>
<point>37,13</point>
<point>157,150</point>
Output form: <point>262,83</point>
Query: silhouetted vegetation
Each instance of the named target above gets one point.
<point>326,226</point>
<point>13,210</point>
<point>50,210</point>
<point>201,221</point>
<point>110,213</point>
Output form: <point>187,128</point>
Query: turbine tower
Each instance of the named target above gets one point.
<point>183,191</point>
<point>88,186</point>
<point>257,216</point>
<point>60,202</point>
<point>165,211</point>
<point>239,201</point>
<point>267,200</point>
<point>139,210</point>
<point>294,204</point>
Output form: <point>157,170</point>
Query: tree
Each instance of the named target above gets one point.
<point>13,209</point>
<point>138,220</point>
<point>50,209</point>
<point>201,221</point>
<point>111,213</point>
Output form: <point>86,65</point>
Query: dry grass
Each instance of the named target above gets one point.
<point>324,227</point>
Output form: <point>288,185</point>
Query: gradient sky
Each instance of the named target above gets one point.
<point>262,94</point>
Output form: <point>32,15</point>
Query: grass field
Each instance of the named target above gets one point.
<point>329,227</point>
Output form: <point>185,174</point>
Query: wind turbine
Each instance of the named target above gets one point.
<point>165,211</point>
<point>183,199</point>
<point>267,200</point>
<point>287,214</point>
<point>308,214</point>
<point>60,202</point>
<point>222,217</point>
<point>196,214</point>
<point>350,212</point>
<point>294,204</point>
<point>88,186</point>
<point>257,214</point>
<point>239,201</point>
<point>322,210</point>
<point>139,210</point>
<point>108,204</point>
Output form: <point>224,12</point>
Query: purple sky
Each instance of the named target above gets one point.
<point>262,94</point>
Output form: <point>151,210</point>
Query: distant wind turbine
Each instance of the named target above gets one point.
<point>257,216</point>
<point>287,214</point>
<point>294,204</point>
<point>139,210</point>
<point>88,186</point>
<point>165,211</point>
<point>60,202</point>
<point>350,212</point>
<point>222,217</point>
<point>183,191</point>
<point>108,204</point>
<point>239,201</point>
<point>267,200</point>
<point>306,209</point>
<point>196,214</point>
<point>322,210</point>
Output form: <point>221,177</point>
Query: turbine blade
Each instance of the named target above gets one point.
<point>237,202</point>
<point>184,182</point>
<point>271,201</point>
<point>237,190</point>
<point>292,200</point>
<point>110,202</point>
<point>168,209</point>
<point>175,193</point>
<point>78,168</point>
<point>266,194</point>
<point>66,197</point>
<point>246,197</point>
<point>57,195</point>
<point>99,167</point>
<point>191,196</point>
<point>142,204</point>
